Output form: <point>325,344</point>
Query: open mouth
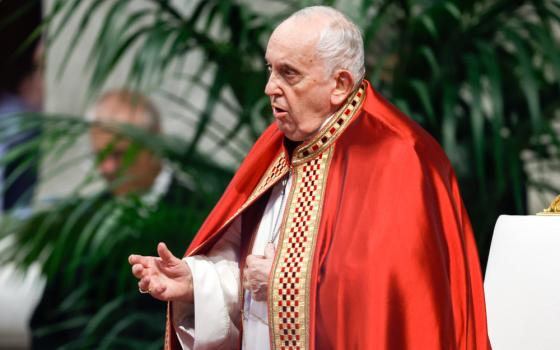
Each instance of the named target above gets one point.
<point>279,112</point>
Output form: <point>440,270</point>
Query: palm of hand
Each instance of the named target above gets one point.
<point>169,281</point>
<point>166,277</point>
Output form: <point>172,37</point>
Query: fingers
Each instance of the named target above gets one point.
<point>257,269</point>
<point>144,284</point>
<point>261,294</point>
<point>147,269</point>
<point>250,260</point>
<point>140,265</point>
<point>165,254</point>
<point>158,291</point>
<point>140,271</point>
<point>138,259</point>
<point>255,284</point>
<point>137,270</point>
<point>153,287</point>
<point>269,251</point>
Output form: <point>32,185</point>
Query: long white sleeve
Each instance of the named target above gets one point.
<point>216,281</point>
<point>211,323</point>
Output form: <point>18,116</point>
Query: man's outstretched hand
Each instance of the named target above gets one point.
<point>165,277</point>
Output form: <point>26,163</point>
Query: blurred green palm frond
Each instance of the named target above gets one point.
<point>482,77</point>
<point>82,242</point>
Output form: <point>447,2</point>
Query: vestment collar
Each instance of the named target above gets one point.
<point>331,130</point>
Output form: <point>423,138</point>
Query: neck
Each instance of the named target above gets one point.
<point>325,122</point>
<point>290,146</point>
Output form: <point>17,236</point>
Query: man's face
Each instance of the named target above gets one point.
<point>298,86</point>
<point>133,169</point>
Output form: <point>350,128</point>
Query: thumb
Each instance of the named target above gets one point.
<point>165,254</point>
<point>269,251</point>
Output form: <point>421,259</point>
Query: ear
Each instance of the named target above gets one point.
<point>343,88</point>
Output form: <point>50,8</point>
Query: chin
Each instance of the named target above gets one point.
<point>282,127</point>
<point>287,133</point>
<point>295,137</point>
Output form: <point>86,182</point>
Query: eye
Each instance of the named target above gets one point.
<point>269,68</point>
<point>291,75</point>
<point>289,72</point>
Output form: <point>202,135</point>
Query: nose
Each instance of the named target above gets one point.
<point>272,88</point>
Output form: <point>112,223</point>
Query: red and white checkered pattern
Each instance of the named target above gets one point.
<point>296,252</point>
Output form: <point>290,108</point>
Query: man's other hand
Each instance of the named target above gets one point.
<point>256,272</point>
<point>165,277</point>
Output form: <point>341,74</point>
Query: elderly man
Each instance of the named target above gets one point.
<point>345,221</point>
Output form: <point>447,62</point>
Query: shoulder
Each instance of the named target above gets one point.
<point>383,127</point>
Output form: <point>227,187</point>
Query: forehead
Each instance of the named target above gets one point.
<point>294,41</point>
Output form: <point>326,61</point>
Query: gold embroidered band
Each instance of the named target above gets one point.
<point>292,268</point>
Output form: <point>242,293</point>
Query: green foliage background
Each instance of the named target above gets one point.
<point>481,76</point>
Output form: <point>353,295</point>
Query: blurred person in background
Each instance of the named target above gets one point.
<point>125,168</point>
<point>129,170</point>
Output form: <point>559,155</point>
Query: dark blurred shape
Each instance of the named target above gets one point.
<point>21,91</point>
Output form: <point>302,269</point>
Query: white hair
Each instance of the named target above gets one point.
<point>340,43</point>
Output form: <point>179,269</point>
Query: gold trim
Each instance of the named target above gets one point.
<point>289,309</point>
<point>277,169</point>
<point>553,209</point>
<point>314,244</point>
